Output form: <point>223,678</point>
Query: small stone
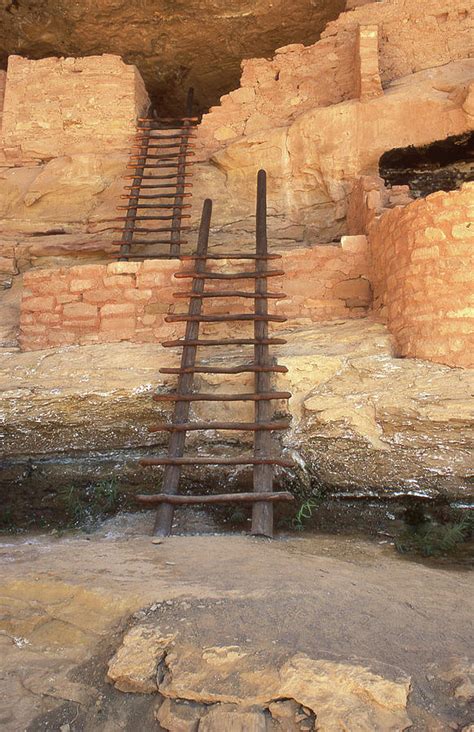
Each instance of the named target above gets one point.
<point>156,540</point>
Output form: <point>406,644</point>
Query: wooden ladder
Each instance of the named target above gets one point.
<point>262,366</point>
<point>159,193</point>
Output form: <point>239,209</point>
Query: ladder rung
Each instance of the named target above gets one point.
<point>232,293</point>
<point>156,195</point>
<point>142,230</point>
<point>149,218</point>
<point>251,397</point>
<point>156,177</point>
<point>158,165</point>
<point>151,241</point>
<point>220,498</point>
<point>225,318</point>
<point>209,460</point>
<point>225,370</point>
<point>146,133</point>
<point>141,186</point>
<point>165,145</point>
<point>232,426</point>
<point>165,156</point>
<point>233,276</point>
<point>226,342</point>
<point>132,255</point>
<point>153,205</point>
<point>233,256</point>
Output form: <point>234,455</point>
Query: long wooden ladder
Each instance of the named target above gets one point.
<point>159,193</point>
<point>263,458</point>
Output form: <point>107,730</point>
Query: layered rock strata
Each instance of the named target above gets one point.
<point>363,423</point>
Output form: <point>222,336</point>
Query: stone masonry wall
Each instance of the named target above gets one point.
<point>410,36</point>
<point>99,303</point>
<point>64,146</point>
<point>66,106</point>
<point>422,272</point>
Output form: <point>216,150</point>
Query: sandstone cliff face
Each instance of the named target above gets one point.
<point>314,161</point>
<point>364,422</point>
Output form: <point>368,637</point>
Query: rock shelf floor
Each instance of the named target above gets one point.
<point>66,602</point>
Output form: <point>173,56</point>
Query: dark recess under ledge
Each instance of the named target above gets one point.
<point>443,165</point>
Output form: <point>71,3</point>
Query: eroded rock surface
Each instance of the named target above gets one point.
<point>363,421</point>
<point>134,666</point>
<point>239,685</point>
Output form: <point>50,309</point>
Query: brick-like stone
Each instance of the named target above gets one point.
<point>102,295</point>
<point>425,253</point>
<point>35,329</point>
<point>79,310</point>
<point>137,295</point>
<point>156,308</point>
<point>119,281</point>
<point>433,233</point>
<point>38,304</point>
<point>50,318</point>
<point>120,326</point>
<point>67,297</point>
<point>81,285</point>
<point>55,285</point>
<point>35,275</point>
<point>62,338</point>
<point>116,268</point>
<point>117,310</point>
<point>463,231</point>
<point>87,271</point>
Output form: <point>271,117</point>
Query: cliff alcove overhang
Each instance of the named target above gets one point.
<point>443,165</point>
<point>198,43</point>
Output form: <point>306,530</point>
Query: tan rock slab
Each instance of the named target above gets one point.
<point>346,697</point>
<point>134,666</point>
<point>179,716</point>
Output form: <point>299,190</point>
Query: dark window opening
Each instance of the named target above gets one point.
<point>441,166</point>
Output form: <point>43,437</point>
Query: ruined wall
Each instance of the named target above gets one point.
<point>100,303</point>
<point>422,272</point>
<point>67,106</point>
<point>410,37</point>
<point>64,143</point>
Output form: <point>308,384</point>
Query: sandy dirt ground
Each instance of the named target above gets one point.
<point>65,602</point>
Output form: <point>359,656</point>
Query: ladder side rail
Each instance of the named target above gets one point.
<point>181,170</point>
<point>134,197</point>
<point>172,473</point>
<point>262,511</point>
